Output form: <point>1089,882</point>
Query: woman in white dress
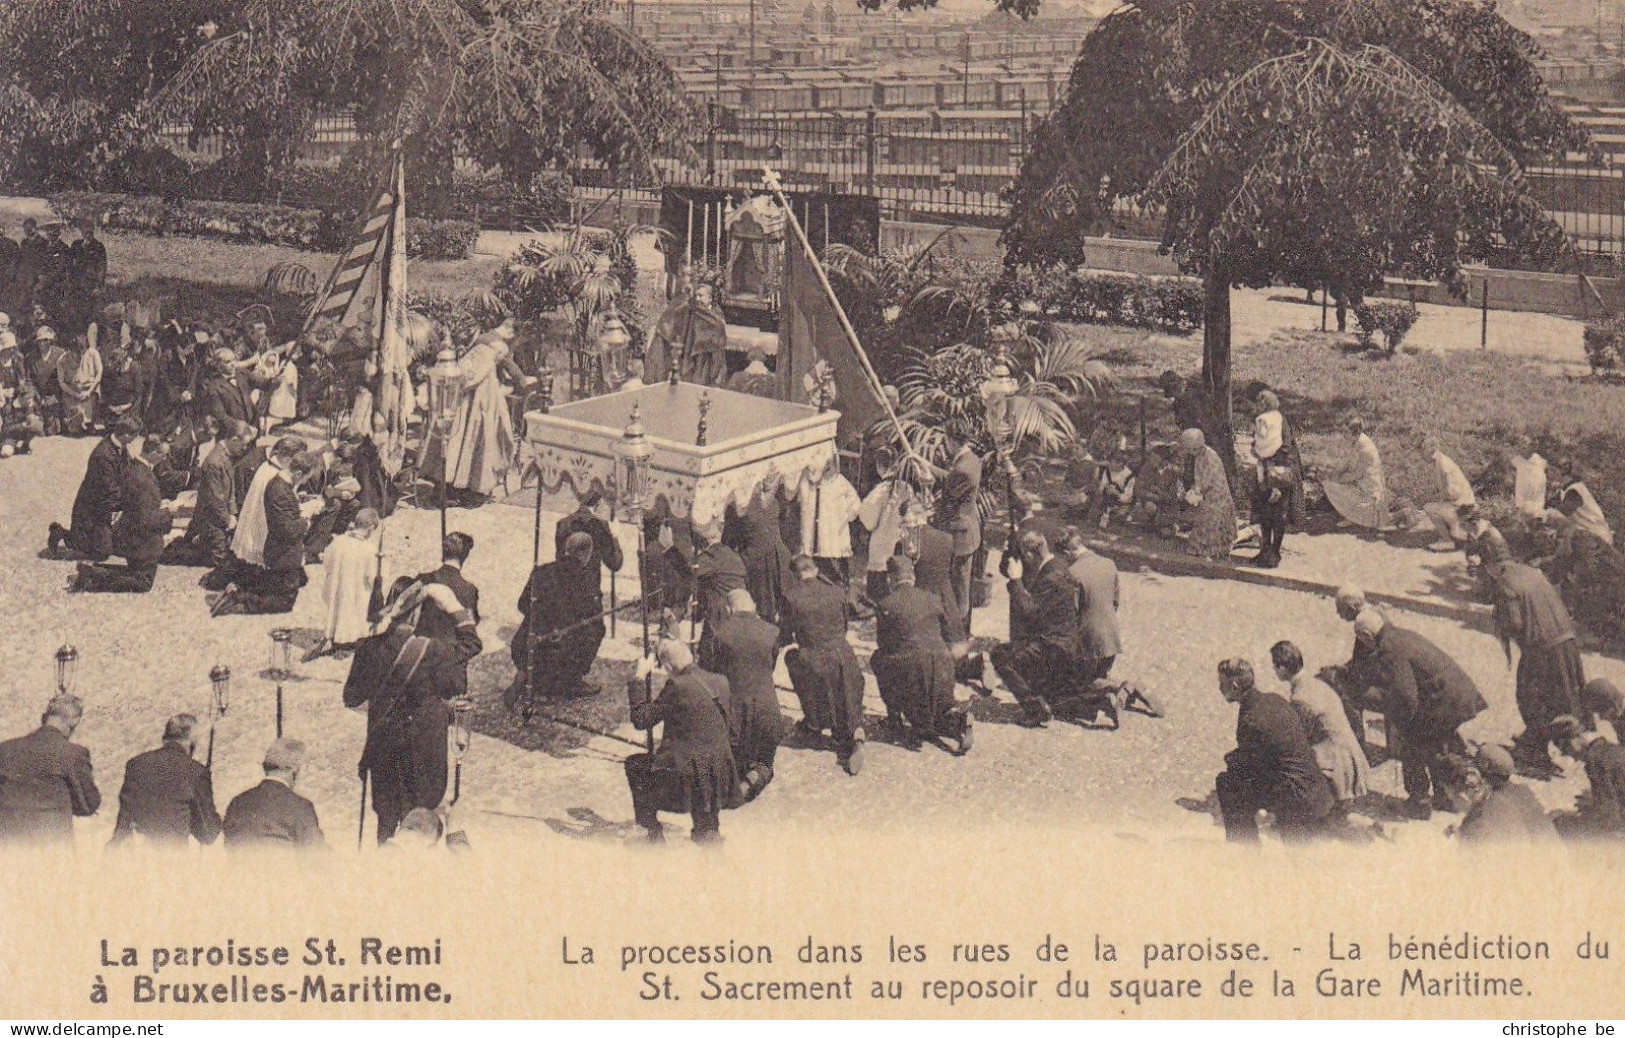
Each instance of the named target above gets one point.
<point>1326,723</point>
<point>1363,499</point>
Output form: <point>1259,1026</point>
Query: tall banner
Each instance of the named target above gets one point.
<point>810,331</point>
<point>395,402</point>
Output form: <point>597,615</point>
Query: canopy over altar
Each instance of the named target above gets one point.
<point>710,447</point>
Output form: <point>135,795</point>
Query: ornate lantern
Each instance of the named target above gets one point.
<point>613,337</point>
<point>635,453</point>
<point>281,667</point>
<point>67,667</point>
<point>996,391</point>
<point>281,663</point>
<point>445,391</point>
<point>544,388</point>
<point>220,679</point>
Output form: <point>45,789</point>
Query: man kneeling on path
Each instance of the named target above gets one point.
<point>745,649</point>
<point>138,535</point>
<point>1272,768</point>
<point>692,771</point>
<point>560,630</point>
<point>823,668</point>
<point>914,664</point>
<point>1036,665</point>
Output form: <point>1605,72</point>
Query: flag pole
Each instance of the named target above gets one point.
<point>773,184</point>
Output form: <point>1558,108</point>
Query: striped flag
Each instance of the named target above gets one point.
<point>339,294</point>
<point>395,397</point>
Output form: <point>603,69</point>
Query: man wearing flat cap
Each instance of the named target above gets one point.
<point>272,815</point>
<point>1602,813</point>
<point>46,779</point>
<point>1604,699</point>
<point>1508,812</point>
<point>168,795</point>
<point>99,498</point>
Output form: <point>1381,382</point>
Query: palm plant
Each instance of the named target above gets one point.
<point>901,301</point>
<point>1058,378</point>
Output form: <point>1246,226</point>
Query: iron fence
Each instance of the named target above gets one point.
<point>929,164</point>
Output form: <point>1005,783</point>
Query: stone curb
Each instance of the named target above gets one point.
<point>1471,614</point>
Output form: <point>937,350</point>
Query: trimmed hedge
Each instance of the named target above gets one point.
<point>253,224</point>
<point>1393,320</point>
<point>1083,295</point>
<point>1605,346</point>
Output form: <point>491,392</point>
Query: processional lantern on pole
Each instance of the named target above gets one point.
<point>635,454</point>
<point>281,667</point>
<point>461,739</point>
<point>445,394</point>
<point>613,339</point>
<point>67,669</point>
<point>220,682</point>
<point>996,392</point>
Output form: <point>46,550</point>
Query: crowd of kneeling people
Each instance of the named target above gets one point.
<point>1302,758</point>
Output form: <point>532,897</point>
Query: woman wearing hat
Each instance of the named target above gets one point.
<point>79,371</point>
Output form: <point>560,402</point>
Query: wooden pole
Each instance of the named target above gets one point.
<point>688,242</point>
<point>1484,315</point>
<point>772,180</point>
<point>361,820</point>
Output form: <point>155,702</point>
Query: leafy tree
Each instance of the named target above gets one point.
<point>1312,142</point>
<point>516,84</point>
<point>77,83</point>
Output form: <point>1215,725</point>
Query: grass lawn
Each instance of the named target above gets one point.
<point>1478,406</point>
<point>209,280</point>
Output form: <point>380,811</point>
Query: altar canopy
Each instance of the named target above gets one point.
<point>748,438</point>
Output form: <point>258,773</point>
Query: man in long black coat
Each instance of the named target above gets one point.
<point>207,541</point>
<point>606,550</point>
<point>435,622</point>
<point>823,668</point>
<point>745,650</point>
<point>407,675</point>
<point>91,535</point>
<point>913,663</point>
<point>558,638</point>
<point>1037,663</point>
<point>272,585</point>
<point>692,771</point>
<point>718,570</point>
<point>46,780</point>
<point>1530,613</point>
<point>167,794</point>
<point>138,535</point>
<point>1426,697</point>
<point>1272,766</point>
<point>225,392</point>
